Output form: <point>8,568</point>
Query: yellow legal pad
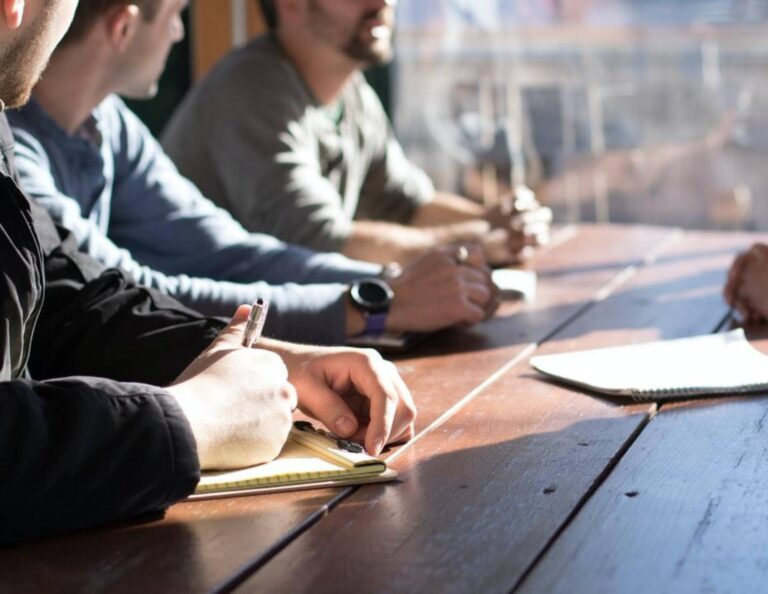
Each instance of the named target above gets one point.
<point>310,459</point>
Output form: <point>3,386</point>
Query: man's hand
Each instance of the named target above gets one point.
<point>518,223</point>
<point>746,289</point>
<point>238,401</point>
<point>436,291</point>
<point>354,392</point>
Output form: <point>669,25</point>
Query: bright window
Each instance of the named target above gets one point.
<point>651,111</point>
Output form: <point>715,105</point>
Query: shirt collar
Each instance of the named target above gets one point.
<point>89,133</point>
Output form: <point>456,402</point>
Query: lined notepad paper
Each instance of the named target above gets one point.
<point>710,364</point>
<point>308,459</point>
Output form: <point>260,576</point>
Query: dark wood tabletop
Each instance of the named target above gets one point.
<point>512,483</point>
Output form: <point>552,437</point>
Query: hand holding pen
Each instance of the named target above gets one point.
<point>356,394</point>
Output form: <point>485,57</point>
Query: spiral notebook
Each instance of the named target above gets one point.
<point>310,459</point>
<point>702,365</point>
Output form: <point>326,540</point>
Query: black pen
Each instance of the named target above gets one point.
<point>255,325</point>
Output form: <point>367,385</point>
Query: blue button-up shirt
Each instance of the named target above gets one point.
<point>115,188</point>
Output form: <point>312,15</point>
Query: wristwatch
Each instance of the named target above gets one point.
<point>372,296</point>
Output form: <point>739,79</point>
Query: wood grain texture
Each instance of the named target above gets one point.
<point>487,490</point>
<point>200,545</point>
<point>211,31</point>
<point>685,511</point>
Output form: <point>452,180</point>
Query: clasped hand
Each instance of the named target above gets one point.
<point>518,223</point>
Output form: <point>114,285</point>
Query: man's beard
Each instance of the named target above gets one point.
<point>358,48</point>
<point>22,62</point>
<point>370,54</point>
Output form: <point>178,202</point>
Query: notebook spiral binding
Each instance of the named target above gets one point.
<point>648,395</point>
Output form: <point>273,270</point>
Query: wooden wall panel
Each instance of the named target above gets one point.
<point>211,30</point>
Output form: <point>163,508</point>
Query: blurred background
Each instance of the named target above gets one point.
<point>641,111</point>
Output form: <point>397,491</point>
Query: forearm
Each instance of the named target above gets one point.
<point>389,242</point>
<point>381,242</point>
<point>105,326</point>
<point>446,209</point>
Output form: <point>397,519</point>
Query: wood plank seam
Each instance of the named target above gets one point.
<point>593,488</point>
<point>247,570</point>
<point>523,355</point>
<point>720,326</point>
<point>602,294</point>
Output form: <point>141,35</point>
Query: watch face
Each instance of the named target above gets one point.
<point>372,295</point>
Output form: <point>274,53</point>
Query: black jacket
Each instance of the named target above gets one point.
<point>77,446</point>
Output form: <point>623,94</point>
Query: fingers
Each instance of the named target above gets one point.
<point>532,227</point>
<point>241,315</point>
<point>493,302</point>
<point>541,215</point>
<point>358,395</point>
<point>477,293</point>
<point>391,408</point>
<point>383,410</point>
<point>289,393</point>
<point>480,296</point>
<point>322,403</point>
<point>476,256</point>
<point>404,426</point>
<point>524,229</point>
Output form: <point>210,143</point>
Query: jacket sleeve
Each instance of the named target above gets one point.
<point>97,323</point>
<point>79,452</point>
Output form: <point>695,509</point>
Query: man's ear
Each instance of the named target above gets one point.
<point>121,23</point>
<point>13,12</point>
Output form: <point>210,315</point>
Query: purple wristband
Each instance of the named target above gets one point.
<point>375,323</point>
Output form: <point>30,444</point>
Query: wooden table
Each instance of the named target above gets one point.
<point>512,483</point>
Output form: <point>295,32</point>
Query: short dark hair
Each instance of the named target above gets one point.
<point>269,11</point>
<point>89,10</point>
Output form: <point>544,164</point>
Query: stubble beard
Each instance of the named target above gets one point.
<point>23,61</point>
<point>371,54</point>
<point>357,47</point>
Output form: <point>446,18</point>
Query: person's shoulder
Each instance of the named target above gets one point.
<point>33,132</point>
<point>253,85</point>
<point>31,117</point>
<point>257,68</point>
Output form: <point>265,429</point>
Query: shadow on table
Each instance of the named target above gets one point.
<point>196,547</point>
<point>663,305</point>
<point>494,482</point>
<point>471,516</point>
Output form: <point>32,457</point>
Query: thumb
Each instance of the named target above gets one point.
<point>241,315</point>
<point>233,333</point>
